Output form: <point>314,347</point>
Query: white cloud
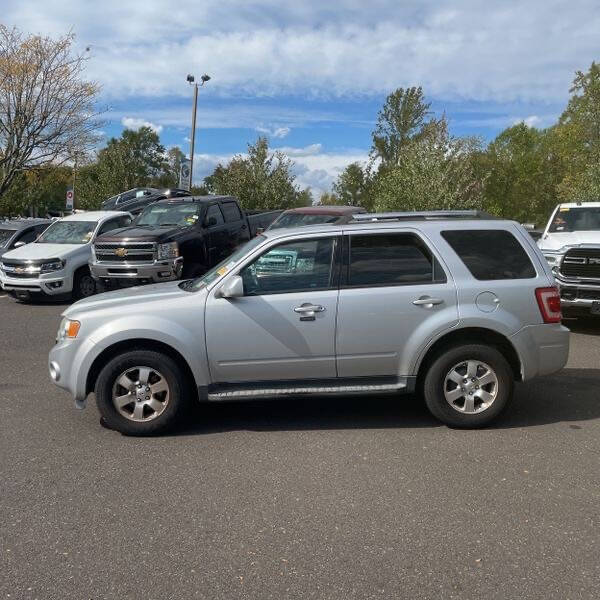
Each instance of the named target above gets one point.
<point>313,168</point>
<point>498,51</point>
<point>135,124</point>
<point>277,132</point>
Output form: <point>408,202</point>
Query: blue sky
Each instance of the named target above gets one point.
<point>312,75</point>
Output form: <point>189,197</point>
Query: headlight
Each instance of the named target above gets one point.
<point>68,329</point>
<point>168,251</point>
<point>53,265</point>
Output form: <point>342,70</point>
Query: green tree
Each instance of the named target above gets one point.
<point>522,172</point>
<point>262,180</point>
<point>353,186</point>
<point>578,138</point>
<point>136,159</point>
<point>401,120</point>
<point>434,171</point>
<point>169,176</point>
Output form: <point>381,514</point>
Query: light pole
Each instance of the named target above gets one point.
<point>191,80</point>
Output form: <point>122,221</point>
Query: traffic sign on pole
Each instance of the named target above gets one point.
<point>70,196</point>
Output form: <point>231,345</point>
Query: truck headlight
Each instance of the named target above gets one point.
<point>166,251</point>
<point>67,329</point>
<point>52,265</point>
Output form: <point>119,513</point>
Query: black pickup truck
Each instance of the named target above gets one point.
<point>174,238</point>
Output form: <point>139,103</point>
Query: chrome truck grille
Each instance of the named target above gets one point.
<point>581,263</point>
<point>125,252</point>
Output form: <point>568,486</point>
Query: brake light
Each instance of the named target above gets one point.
<point>549,302</point>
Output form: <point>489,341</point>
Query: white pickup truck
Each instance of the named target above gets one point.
<point>571,245</point>
<point>56,263</point>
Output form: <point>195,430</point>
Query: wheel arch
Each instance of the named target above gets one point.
<point>472,335</point>
<point>137,344</point>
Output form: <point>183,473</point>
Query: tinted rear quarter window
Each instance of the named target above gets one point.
<point>231,212</point>
<point>490,254</point>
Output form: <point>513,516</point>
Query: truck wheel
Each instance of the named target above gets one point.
<point>84,285</point>
<point>468,386</point>
<point>141,393</point>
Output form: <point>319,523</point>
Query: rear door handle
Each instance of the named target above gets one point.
<point>307,311</point>
<point>427,302</point>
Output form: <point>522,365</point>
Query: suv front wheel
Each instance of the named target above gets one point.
<point>141,392</point>
<point>468,386</point>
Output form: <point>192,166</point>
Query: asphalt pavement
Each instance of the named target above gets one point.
<point>348,498</point>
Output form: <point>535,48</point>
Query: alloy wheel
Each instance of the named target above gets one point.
<point>470,387</point>
<point>141,394</point>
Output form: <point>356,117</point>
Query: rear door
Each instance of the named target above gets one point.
<point>236,223</point>
<point>217,234</point>
<point>394,290</point>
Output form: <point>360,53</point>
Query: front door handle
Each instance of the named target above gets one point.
<point>307,311</point>
<point>427,302</point>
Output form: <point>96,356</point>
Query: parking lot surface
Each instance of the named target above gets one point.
<point>347,498</point>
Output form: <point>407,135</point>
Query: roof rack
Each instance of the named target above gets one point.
<point>430,215</point>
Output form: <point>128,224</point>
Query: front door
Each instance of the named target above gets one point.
<point>283,328</point>
<point>394,293</point>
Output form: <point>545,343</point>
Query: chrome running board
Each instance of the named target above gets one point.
<point>304,390</point>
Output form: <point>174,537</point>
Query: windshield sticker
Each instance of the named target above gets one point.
<point>223,270</point>
<point>564,209</point>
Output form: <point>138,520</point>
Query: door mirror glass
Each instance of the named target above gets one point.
<point>19,244</point>
<point>232,288</point>
<point>210,222</point>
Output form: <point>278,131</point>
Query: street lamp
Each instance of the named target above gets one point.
<point>191,81</point>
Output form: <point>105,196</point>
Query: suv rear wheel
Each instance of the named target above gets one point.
<point>141,393</point>
<point>468,386</point>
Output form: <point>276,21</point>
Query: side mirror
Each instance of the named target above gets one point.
<point>260,230</point>
<point>210,222</point>
<point>529,226</point>
<point>19,244</point>
<point>233,288</point>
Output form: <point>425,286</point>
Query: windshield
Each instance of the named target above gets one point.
<point>299,219</point>
<point>5,235</point>
<point>193,285</point>
<point>576,219</point>
<point>159,215</point>
<point>68,232</point>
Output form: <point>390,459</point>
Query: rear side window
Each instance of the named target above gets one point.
<point>491,254</point>
<point>231,212</point>
<point>391,259</point>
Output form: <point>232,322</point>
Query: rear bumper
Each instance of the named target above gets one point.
<point>157,271</point>
<point>543,349</point>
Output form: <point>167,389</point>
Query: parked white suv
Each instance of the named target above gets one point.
<point>56,264</point>
<point>448,304</point>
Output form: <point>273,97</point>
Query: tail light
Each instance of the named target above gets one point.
<point>548,300</point>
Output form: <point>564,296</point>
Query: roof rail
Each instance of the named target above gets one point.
<point>430,215</point>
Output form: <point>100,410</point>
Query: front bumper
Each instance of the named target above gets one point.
<point>50,284</point>
<point>575,294</point>
<point>156,271</point>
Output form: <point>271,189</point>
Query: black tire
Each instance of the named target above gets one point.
<point>434,385</point>
<point>178,393</point>
<point>84,285</point>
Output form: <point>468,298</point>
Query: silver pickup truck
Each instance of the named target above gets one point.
<point>451,305</point>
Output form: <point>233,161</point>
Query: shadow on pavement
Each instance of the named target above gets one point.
<point>569,396</point>
<point>586,325</point>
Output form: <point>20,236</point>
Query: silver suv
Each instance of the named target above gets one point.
<point>454,306</point>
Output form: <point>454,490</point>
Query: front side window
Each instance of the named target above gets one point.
<point>491,254</point>
<point>169,215</point>
<point>391,259</point>
<point>109,226</point>
<point>68,232</point>
<point>27,237</point>
<point>297,266</point>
